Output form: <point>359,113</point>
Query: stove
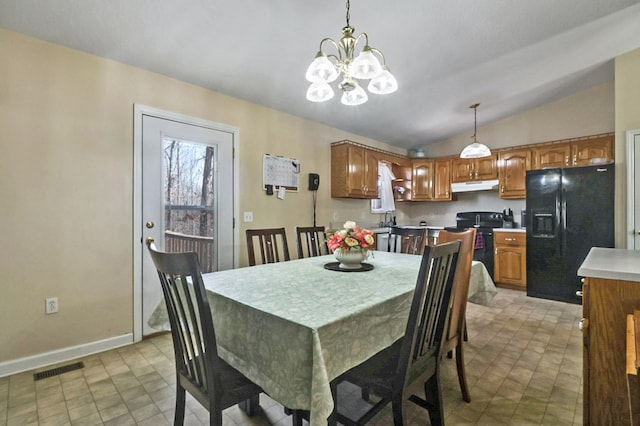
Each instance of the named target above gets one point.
<point>484,223</point>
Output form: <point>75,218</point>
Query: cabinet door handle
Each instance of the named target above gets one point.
<point>579,293</point>
<point>509,239</point>
<point>583,324</point>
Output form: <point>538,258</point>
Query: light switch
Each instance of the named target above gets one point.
<point>248,216</point>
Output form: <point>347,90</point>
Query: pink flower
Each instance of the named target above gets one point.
<point>352,237</point>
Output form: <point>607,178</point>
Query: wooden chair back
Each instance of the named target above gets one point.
<point>456,328</point>
<point>272,243</point>
<point>429,309</point>
<point>199,370</point>
<point>460,284</point>
<point>406,240</point>
<point>312,241</point>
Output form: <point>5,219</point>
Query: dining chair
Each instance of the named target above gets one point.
<point>199,370</point>
<point>456,329</point>
<point>406,240</point>
<point>415,356</point>
<point>312,241</point>
<point>272,243</point>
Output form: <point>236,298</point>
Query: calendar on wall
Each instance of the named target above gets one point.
<point>280,171</point>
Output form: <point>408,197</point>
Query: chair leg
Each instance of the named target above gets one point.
<point>178,418</point>
<point>462,377</point>
<point>466,335</point>
<point>296,417</point>
<point>433,397</point>
<point>215,417</point>
<point>250,406</point>
<point>396,407</point>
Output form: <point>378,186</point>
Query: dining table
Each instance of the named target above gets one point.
<point>292,327</point>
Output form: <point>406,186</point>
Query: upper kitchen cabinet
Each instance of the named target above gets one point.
<point>354,171</point>
<point>442,180</point>
<point>431,180</point>
<point>470,169</point>
<point>574,152</point>
<point>422,176</point>
<point>513,165</point>
<point>583,151</point>
<point>552,155</point>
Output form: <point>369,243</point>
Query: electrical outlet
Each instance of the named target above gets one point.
<point>51,305</point>
<point>248,216</point>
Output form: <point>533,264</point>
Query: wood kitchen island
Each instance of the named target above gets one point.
<point>611,291</point>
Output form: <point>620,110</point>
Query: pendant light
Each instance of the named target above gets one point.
<point>365,66</point>
<point>475,149</point>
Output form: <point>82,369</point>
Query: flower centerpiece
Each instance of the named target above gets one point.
<point>350,245</point>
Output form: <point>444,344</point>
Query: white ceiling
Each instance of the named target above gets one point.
<point>508,55</point>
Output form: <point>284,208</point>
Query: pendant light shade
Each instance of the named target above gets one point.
<point>475,149</point>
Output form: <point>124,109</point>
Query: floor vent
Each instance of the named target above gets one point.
<point>58,370</point>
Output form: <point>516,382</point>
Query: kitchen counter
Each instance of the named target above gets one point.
<point>611,263</point>
<point>519,230</point>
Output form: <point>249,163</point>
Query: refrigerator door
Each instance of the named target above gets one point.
<point>544,232</point>
<point>588,197</point>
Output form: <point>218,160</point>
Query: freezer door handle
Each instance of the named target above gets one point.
<point>563,207</point>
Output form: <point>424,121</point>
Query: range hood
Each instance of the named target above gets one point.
<point>481,185</point>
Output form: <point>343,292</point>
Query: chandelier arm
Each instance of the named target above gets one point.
<point>332,41</point>
<point>373,49</point>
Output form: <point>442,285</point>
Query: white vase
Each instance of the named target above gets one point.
<point>350,259</point>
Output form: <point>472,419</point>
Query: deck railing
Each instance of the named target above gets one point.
<point>177,242</point>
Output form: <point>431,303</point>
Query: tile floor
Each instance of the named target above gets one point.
<point>523,362</point>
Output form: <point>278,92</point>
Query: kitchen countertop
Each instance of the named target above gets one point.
<point>520,230</point>
<point>611,263</point>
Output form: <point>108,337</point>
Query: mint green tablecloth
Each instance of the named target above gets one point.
<point>292,327</point>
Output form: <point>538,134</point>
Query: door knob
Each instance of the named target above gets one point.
<point>150,240</point>
<point>149,224</point>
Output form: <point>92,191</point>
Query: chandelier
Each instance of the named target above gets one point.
<point>475,149</point>
<point>327,68</point>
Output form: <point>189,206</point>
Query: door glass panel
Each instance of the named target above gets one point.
<point>189,210</point>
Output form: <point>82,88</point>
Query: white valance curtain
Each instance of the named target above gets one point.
<point>385,188</point>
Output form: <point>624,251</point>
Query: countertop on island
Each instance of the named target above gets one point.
<point>611,263</point>
<point>519,230</point>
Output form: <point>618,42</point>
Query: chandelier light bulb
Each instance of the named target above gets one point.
<point>319,92</point>
<point>383,83</point>
<point>321,70</point>
<point>366,65</point>
<point>356,96</point>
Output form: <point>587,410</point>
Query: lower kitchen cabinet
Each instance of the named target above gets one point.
<point>610,292</point>
<point>510,259</point>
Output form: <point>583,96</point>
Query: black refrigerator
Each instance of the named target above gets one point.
<point>569,210</point>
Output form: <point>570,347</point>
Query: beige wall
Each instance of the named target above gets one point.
<point>66,187</point>
<point>627,118</point>
<point>588,112</point>
<point>66,161</point>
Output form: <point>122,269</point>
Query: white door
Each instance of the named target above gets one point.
<point>187,198</point>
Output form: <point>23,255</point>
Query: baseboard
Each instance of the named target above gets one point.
<point>8,368</point>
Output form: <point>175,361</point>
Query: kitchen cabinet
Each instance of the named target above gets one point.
<point>510,259</point>
<point>572,153</point>
<point>473,169</point>
<point>431,180</point>
<point>442,180</point>
<point>354,171</point>
<point>610,292</point>
<point>553,155</point>
<point>582,152</point>
<point>422,178</point>
<point>512,168</point>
